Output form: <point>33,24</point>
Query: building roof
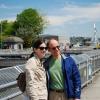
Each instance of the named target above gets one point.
<point>47,35</point>
<point>13,39</point>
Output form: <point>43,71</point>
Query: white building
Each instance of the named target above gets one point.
<point>64,42</point>
<point>13,42</point>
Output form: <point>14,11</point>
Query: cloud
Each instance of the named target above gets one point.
<point>9,19</point>
<point>71,13</point>
<point>58,20</point>
<point>89,12</point>
<point>3,6</point>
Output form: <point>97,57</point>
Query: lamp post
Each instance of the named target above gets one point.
<point>1,34</point>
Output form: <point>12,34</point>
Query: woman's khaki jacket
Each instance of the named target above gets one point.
<point>36,87</point>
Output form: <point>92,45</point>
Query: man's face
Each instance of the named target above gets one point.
<point>54,48</point>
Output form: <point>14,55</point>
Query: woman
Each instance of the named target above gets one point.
<point>35,73</point>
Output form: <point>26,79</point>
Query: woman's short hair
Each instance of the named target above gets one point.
<point>37,43</point>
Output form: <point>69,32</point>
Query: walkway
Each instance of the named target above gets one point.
<point>92,91</point>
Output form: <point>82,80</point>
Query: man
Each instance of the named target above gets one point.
<point>64,81</point>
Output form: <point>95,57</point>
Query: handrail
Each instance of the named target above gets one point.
<point>11,96</point>
<point>8,85</point>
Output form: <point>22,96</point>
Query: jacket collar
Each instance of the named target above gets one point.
<point>37,59</point>
<point>64,56</point>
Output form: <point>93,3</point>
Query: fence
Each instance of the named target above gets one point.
<point>88,64</point>
<point>8,87</point>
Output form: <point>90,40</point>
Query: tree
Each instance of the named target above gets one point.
<point>29,24</point>
<point>7,28</point>
<point>3,24</point>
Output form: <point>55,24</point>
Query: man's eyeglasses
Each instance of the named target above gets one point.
<point>42,48</point>
<point>54,48</point>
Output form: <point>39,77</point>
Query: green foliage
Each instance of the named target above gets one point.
<point>7,28</point>
<point>3,25</point>
<point>28,25</point>
<point>1,40</point>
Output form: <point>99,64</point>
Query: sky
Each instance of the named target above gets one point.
<point>64,17</point>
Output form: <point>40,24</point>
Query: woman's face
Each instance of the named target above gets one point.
<point>41,50</point>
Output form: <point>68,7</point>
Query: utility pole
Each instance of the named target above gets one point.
<point>1,34</point>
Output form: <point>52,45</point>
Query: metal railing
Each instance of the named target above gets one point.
<point>8,84</point>
<point>88,64</point>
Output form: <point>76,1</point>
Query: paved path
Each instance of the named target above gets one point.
<point>90,92</point>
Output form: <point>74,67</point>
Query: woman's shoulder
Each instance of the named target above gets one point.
<point>31,60</point>
<point>31,63</point>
